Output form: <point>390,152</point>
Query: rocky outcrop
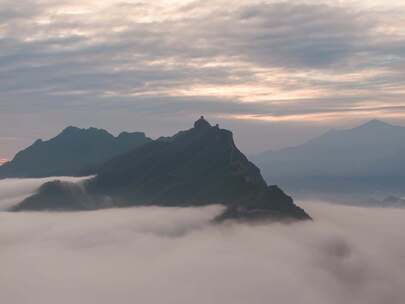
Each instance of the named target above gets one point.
<point>197,167</point>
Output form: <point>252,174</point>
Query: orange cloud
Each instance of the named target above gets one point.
<point>318,117</point>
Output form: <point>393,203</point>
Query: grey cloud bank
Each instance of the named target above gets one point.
<point>171,255</point>
<point>301,61</point>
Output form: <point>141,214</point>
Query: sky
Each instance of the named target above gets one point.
<point>275,72</point>
<point>176,256</point>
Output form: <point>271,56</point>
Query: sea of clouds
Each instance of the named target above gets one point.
<point>156,255</point>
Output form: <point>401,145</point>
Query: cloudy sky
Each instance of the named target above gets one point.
<point>275,72</point>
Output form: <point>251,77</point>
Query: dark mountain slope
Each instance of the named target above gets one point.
<point>73,152</point>
<point>200,166</point>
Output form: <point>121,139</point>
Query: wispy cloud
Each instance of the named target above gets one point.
<point>319,55</point>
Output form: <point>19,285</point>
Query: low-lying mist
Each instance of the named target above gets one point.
<point>13,191</point>
<point>172,255</point>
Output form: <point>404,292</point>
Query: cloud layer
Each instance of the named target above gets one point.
<point>296,61</point>
<point>171,255</point>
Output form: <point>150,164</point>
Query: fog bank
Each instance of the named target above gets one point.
<point>14,190</point>
<point>172,255</point>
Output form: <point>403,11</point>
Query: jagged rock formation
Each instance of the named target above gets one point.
<point>197,167</point>
<point>74,152</point>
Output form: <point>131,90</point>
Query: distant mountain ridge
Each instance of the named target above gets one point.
<point>74,152</point>
<point>368,157</point>
<point>196,167</point>
<point>390,201</point>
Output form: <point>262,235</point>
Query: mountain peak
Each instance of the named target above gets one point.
<point>131,134</point>
<point>202,123</point>
<point>75,131</point>
<point>74,151</point>
<point>69,130</point>
<point>375,123</point>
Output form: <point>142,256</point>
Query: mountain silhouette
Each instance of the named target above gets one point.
<point>74,152</point>
<point>197,167</point>
<point>370,157</point>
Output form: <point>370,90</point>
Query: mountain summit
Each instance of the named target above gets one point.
<point>202,123</point>
<point>73,152</point>
<point>196,167</point>
<point>375,123</point>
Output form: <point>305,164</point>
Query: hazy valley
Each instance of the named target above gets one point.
<point>69,257</point>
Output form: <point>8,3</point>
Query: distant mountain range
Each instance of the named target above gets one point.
<point>74,152</point>
<point>390,201</point>
<point>366,160</point>
<point>196,167</point>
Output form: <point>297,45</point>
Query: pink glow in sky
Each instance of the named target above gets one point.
<point>155,66</point>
